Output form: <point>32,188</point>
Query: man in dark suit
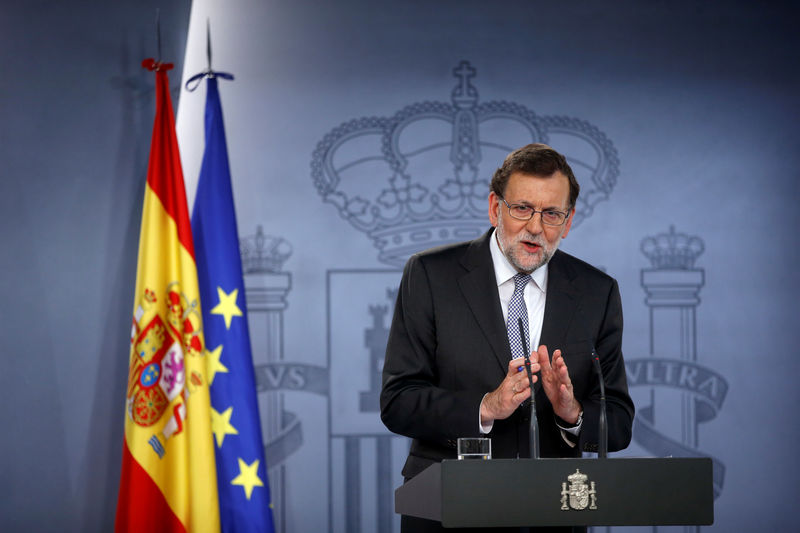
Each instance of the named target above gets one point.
<point>450,369</point>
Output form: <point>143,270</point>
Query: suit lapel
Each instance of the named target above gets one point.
<point>479,287</point>
<point>561,305</point>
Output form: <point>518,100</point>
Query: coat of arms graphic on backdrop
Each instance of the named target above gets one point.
<point>411,181</point>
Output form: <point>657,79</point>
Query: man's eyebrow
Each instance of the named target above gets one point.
<point>529,204</point>
<point>521,202</point>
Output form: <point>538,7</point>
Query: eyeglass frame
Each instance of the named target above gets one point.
<point>541,213</point>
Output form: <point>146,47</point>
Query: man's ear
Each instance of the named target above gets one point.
<point>494,208</point>
<point>568,223</point>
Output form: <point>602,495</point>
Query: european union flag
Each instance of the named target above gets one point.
<point>244,499</point>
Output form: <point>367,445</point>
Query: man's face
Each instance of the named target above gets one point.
<point>529,244</point>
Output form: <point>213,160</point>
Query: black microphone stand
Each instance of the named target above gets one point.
<point>602,426</point>
<point>533,431</point>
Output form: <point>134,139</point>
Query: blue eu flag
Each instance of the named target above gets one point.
<point>244,499</point>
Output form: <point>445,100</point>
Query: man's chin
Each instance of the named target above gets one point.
<point>530,262</point>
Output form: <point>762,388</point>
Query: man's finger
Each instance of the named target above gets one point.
<point>561,368</point>
<point>515,366</point>
<point>543,359</point>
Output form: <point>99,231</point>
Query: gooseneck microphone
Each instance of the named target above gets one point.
<point>533,431</point>
<point>602,426</point>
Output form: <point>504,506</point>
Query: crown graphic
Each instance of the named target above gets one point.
<point>262,253</point>
<point>577,477</point>
<point>672,251</point>
<point>420,178</point>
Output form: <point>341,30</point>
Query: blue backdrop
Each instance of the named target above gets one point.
<point>680,119</point>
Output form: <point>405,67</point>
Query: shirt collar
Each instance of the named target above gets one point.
<point>504,271</point>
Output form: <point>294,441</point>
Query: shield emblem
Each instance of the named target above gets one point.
<point>579,496</point>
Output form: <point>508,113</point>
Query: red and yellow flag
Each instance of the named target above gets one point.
<point>168,480</point>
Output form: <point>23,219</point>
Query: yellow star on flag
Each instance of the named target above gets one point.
<point>221,424</point>
<point>227,306</point>
<point>214,364</point>
<point>248,477</point>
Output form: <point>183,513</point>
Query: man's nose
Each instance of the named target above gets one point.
<point>534,225</point>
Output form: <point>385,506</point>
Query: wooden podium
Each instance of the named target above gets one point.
<point>562,492</point>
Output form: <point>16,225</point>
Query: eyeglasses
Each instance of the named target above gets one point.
<point>551,217</point>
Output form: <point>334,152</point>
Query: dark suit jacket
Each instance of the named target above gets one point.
<point>448,347</point>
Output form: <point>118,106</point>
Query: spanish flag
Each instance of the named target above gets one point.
<point>168,481</point>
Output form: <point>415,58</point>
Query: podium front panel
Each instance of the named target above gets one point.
<point>562,492</point>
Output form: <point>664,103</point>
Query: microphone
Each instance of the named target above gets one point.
<point>602,426</point>
<point>533,431</point>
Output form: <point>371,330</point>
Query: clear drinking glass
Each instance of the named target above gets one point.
<point>474,448</point>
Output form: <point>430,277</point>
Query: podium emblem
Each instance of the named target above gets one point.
<point>580,494</point>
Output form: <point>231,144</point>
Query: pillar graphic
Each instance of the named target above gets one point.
<point>267,289</point>
<point>682,393</point>
<point>673,294</point>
